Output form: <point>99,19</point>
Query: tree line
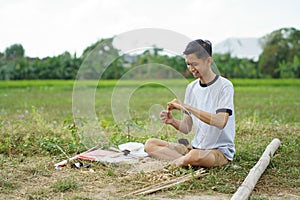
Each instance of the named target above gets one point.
<point>280,58</point>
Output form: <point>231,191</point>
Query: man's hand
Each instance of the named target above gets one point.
<point>175,104</point>
<point>166,117</point>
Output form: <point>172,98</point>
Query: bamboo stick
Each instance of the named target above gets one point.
<point>167,184</point>
<point>255,173</point>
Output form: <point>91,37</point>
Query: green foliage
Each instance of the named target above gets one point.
<point>232,67</point>
<point>14,51</point>
<point>279,59</point>
<point>63,66</point>
<point>279,48</point>
<point>126,132</point>
<point>31,134</point>
<point>290,69</point>
<point>99,60</point>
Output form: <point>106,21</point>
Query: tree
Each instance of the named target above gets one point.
<point>14,51</point>
<point>98,58</point>
<point>280,46</point>
<point>233,67</point>
<point>290,69</point>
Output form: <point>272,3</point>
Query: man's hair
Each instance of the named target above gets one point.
<point>202,48</point>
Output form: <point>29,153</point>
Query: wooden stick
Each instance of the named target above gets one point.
<point>255,173</point>
<point>167,184</point>
<point>64,162</point>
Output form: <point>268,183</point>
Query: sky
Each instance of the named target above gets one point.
<point>51,27</point>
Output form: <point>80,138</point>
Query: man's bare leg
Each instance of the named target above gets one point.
<point>163,150</point>
<point>196,157</point>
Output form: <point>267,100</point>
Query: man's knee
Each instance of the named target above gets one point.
<point>199,158</point>
<point>151,145</point>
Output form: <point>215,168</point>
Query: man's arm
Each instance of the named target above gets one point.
<point>218,120</point>
<point>185,125</point>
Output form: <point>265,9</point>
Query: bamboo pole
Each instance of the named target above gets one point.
<point>168,184</point>
<point>255,173</point>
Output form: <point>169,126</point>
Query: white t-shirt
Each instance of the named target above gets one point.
<point>214,97</point>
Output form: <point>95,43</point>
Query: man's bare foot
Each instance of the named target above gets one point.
<point>179,162</point>
<point>180,148</point>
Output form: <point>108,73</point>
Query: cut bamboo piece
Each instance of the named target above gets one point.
<point>168,184</point>
<point>255,173</point>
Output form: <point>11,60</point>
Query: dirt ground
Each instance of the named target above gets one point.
<point>36,178</point>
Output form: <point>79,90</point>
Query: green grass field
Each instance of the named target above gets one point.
<point>38,130</point>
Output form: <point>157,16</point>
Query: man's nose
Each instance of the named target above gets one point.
<point>192,68</point>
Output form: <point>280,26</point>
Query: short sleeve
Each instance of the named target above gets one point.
<point>225,100</point>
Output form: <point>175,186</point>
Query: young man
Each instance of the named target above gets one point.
<point>208,107</point>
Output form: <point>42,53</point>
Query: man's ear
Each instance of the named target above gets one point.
<point>209,60</point>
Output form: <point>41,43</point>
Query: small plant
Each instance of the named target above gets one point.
<point>65,185</point>
<point>7,185</point>
<point>70,125</point>
<point>110,172</point>
<point>133,124</point>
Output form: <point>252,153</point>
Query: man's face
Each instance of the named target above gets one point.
<point>196,66</point>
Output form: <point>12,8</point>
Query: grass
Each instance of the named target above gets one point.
<point>37,129</point>
<point>64,185</point>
